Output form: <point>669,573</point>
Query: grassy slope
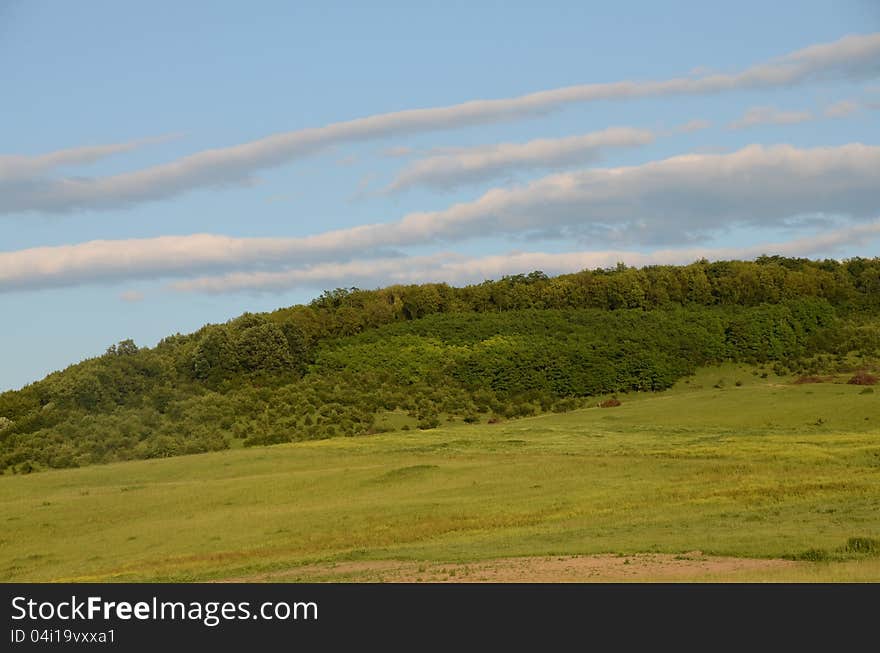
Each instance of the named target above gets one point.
<point>762,470</point>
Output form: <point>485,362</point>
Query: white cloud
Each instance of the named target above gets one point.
<point>132,296</point>
<point>694,125</point>
<point>773,116</point>
<point>842,109</point>
<point>681,199</point>
<point>851,57</point>
<point>164,256</point>
<point>398,152</point>
<point>14,167</point>
<point>770,116</point>
<point>452,268</point>
<point>474,164</point>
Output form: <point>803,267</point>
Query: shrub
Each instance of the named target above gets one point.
<point>610,403</point>
<point>867,545</point>
<point>564,405</point>
<point>429,422</point>
<point>811,555</point>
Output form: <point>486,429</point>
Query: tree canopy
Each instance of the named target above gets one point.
<point>512,347</point>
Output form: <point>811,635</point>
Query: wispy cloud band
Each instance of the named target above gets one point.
<point>677,200</point>
<point>852,57</point>
<point>453,268</point>
<point>474,164</point>
<point>15,167</point>
<point>770,116</point>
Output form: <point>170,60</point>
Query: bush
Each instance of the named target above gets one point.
<point>429,422</point>
<point>610,403</point>
<point>865,545</point>
<point>811,555</point>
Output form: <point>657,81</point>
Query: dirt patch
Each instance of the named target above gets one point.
<point>642,567</point>
<point>813,379</point>
<point>863,378</point>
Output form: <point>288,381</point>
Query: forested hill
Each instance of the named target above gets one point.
<point>355,361</point>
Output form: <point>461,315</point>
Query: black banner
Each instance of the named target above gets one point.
<point>220,617</point>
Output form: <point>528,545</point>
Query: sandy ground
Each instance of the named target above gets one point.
<point>688,567</point>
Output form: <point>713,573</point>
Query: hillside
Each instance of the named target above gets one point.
<point>777,478</point>
<point>357,362</point>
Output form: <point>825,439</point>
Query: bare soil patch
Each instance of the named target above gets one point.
<point>801,380</point>
<point>642,567</point>
<point>863,378</point>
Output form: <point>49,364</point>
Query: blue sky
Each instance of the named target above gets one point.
<point>687,129</point>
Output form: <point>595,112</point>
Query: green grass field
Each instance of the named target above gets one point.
<point>765,469</point>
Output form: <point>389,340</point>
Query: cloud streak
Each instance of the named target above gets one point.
<point>152,258</point>
<point>842,109</point>
<point>770,116</point>
<point>452,268</point>
<point>681,199</point>
<point>475,164</point>
<point>853,57</point>
<point>15,167</point>
<point>695,125</point>
<point>132,296</point>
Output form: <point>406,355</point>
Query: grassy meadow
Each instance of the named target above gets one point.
<point>726,463</point>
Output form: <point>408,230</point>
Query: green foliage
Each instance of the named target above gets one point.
<point>505,349</point>
<point>216,355</point>
<point>863,545</point>
<point>811,555</point>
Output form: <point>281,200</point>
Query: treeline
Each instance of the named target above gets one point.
<point>849,286</point>
<point>502,349</point>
